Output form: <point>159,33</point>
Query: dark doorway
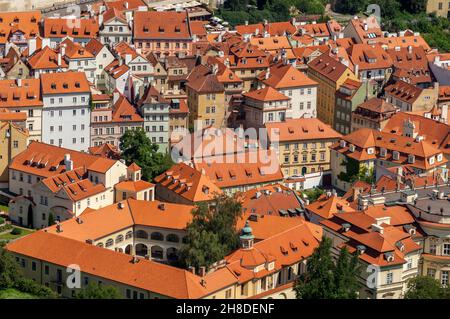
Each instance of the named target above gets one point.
<point>30,216</point>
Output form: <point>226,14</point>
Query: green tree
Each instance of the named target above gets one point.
<point>51,219</point>
<point>318,281</point>
<point>313,194</point>
<point>212,233</point>
<point>425,287</point>
<point>350,6</point>
<point>97,291</point>
<point>137,147</point>
<point>9,272</point>
<point>325,279</point>
<point>346,275</point>
<point>11,277</point>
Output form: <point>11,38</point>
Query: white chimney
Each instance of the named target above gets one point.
<point>45,42</point>
<point>63,49</point>
<point>128,58</point>
<point>31,46</point>
<point>68,162</point>
<point>19,82</point>
<point>116,96</point>
<point>357,70</point>
<point>59,59</point>
<point>444,113</point>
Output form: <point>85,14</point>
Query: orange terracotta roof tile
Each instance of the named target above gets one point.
<point>282,76</point>
<point>46,58</point>
<point>188,182</point>
<point>300,129</point>
<point>66,82</point>
<point>74,28</point>
<point>251,167</point>
<point>327,206</point>
<point>161,25</point>
<point>328,67</point>
<point>266,94</point>
<point>132,186</point>
<point>20,93</point>
<point>104,263</point>
<point>46,160</point>
<point>123,111</point>
<point>24,22</point>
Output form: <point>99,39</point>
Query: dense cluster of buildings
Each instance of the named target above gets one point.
<point>347,107</point>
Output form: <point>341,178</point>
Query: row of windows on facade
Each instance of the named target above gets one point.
<point>153,129</point>
<point>166,45</point>
<point>154,118</point>
<point>74,141</point>
<point>444,275</point>
<point>304,171</point>
<point>305,158</point>
<point>445,249</point>
<point>141,234</point>
<point>74,100</point>
<point>60,128</point>
<point>305,145</point>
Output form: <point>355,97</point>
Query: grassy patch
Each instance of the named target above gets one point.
<point>4,208</point>
<point>11,293</point>
<point>14,235</point>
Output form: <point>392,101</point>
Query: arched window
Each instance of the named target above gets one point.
<point>119,239</point>
<point>172,254</point>
<point>129,235</point>
<point>185,240</point>
<point>157,252</point>
<point>100,245</point>
<point>173,238</point>
<point>141,234</point>
<point>141,250</point>
<point>157,236</point>
<point>109,242</point>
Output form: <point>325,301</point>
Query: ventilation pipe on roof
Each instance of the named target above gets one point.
<point>59,59</point>
<point>68,162</point>
<point>31,46</point>
<point>357,70</point>
<point>202,271</point>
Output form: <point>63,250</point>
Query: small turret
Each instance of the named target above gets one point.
<point>246,237</point>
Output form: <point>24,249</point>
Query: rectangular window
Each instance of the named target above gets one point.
<point>389,278</point>
<point>446,249</point>
<point>444,277</point>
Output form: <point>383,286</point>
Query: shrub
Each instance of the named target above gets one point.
<point>33,288</point>
<point>2,220</point>
<point>16,231</point>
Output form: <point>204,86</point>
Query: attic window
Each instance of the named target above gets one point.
<point>77,84</point>
<point>161,29</point>
<point>53,86</point>
<point>65,85</point>
<point>177,29</point>
<point>145,28</point>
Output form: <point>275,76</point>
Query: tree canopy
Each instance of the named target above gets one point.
<point>426,287</point>
<point>326,279</point>
<point>212,233</point>
<point>137,147</point>
<point>11,277</point>
<point>97,291</point>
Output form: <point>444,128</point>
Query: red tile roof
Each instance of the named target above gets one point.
<point>283,76</point>
<point>47,160</point>
<point>74,28</point>
<point>161,25</point>
<point>28,94</point>
<point>26,22</point>
<point>301,129</point>
<point>188,183</point>
<point>104,263</point>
